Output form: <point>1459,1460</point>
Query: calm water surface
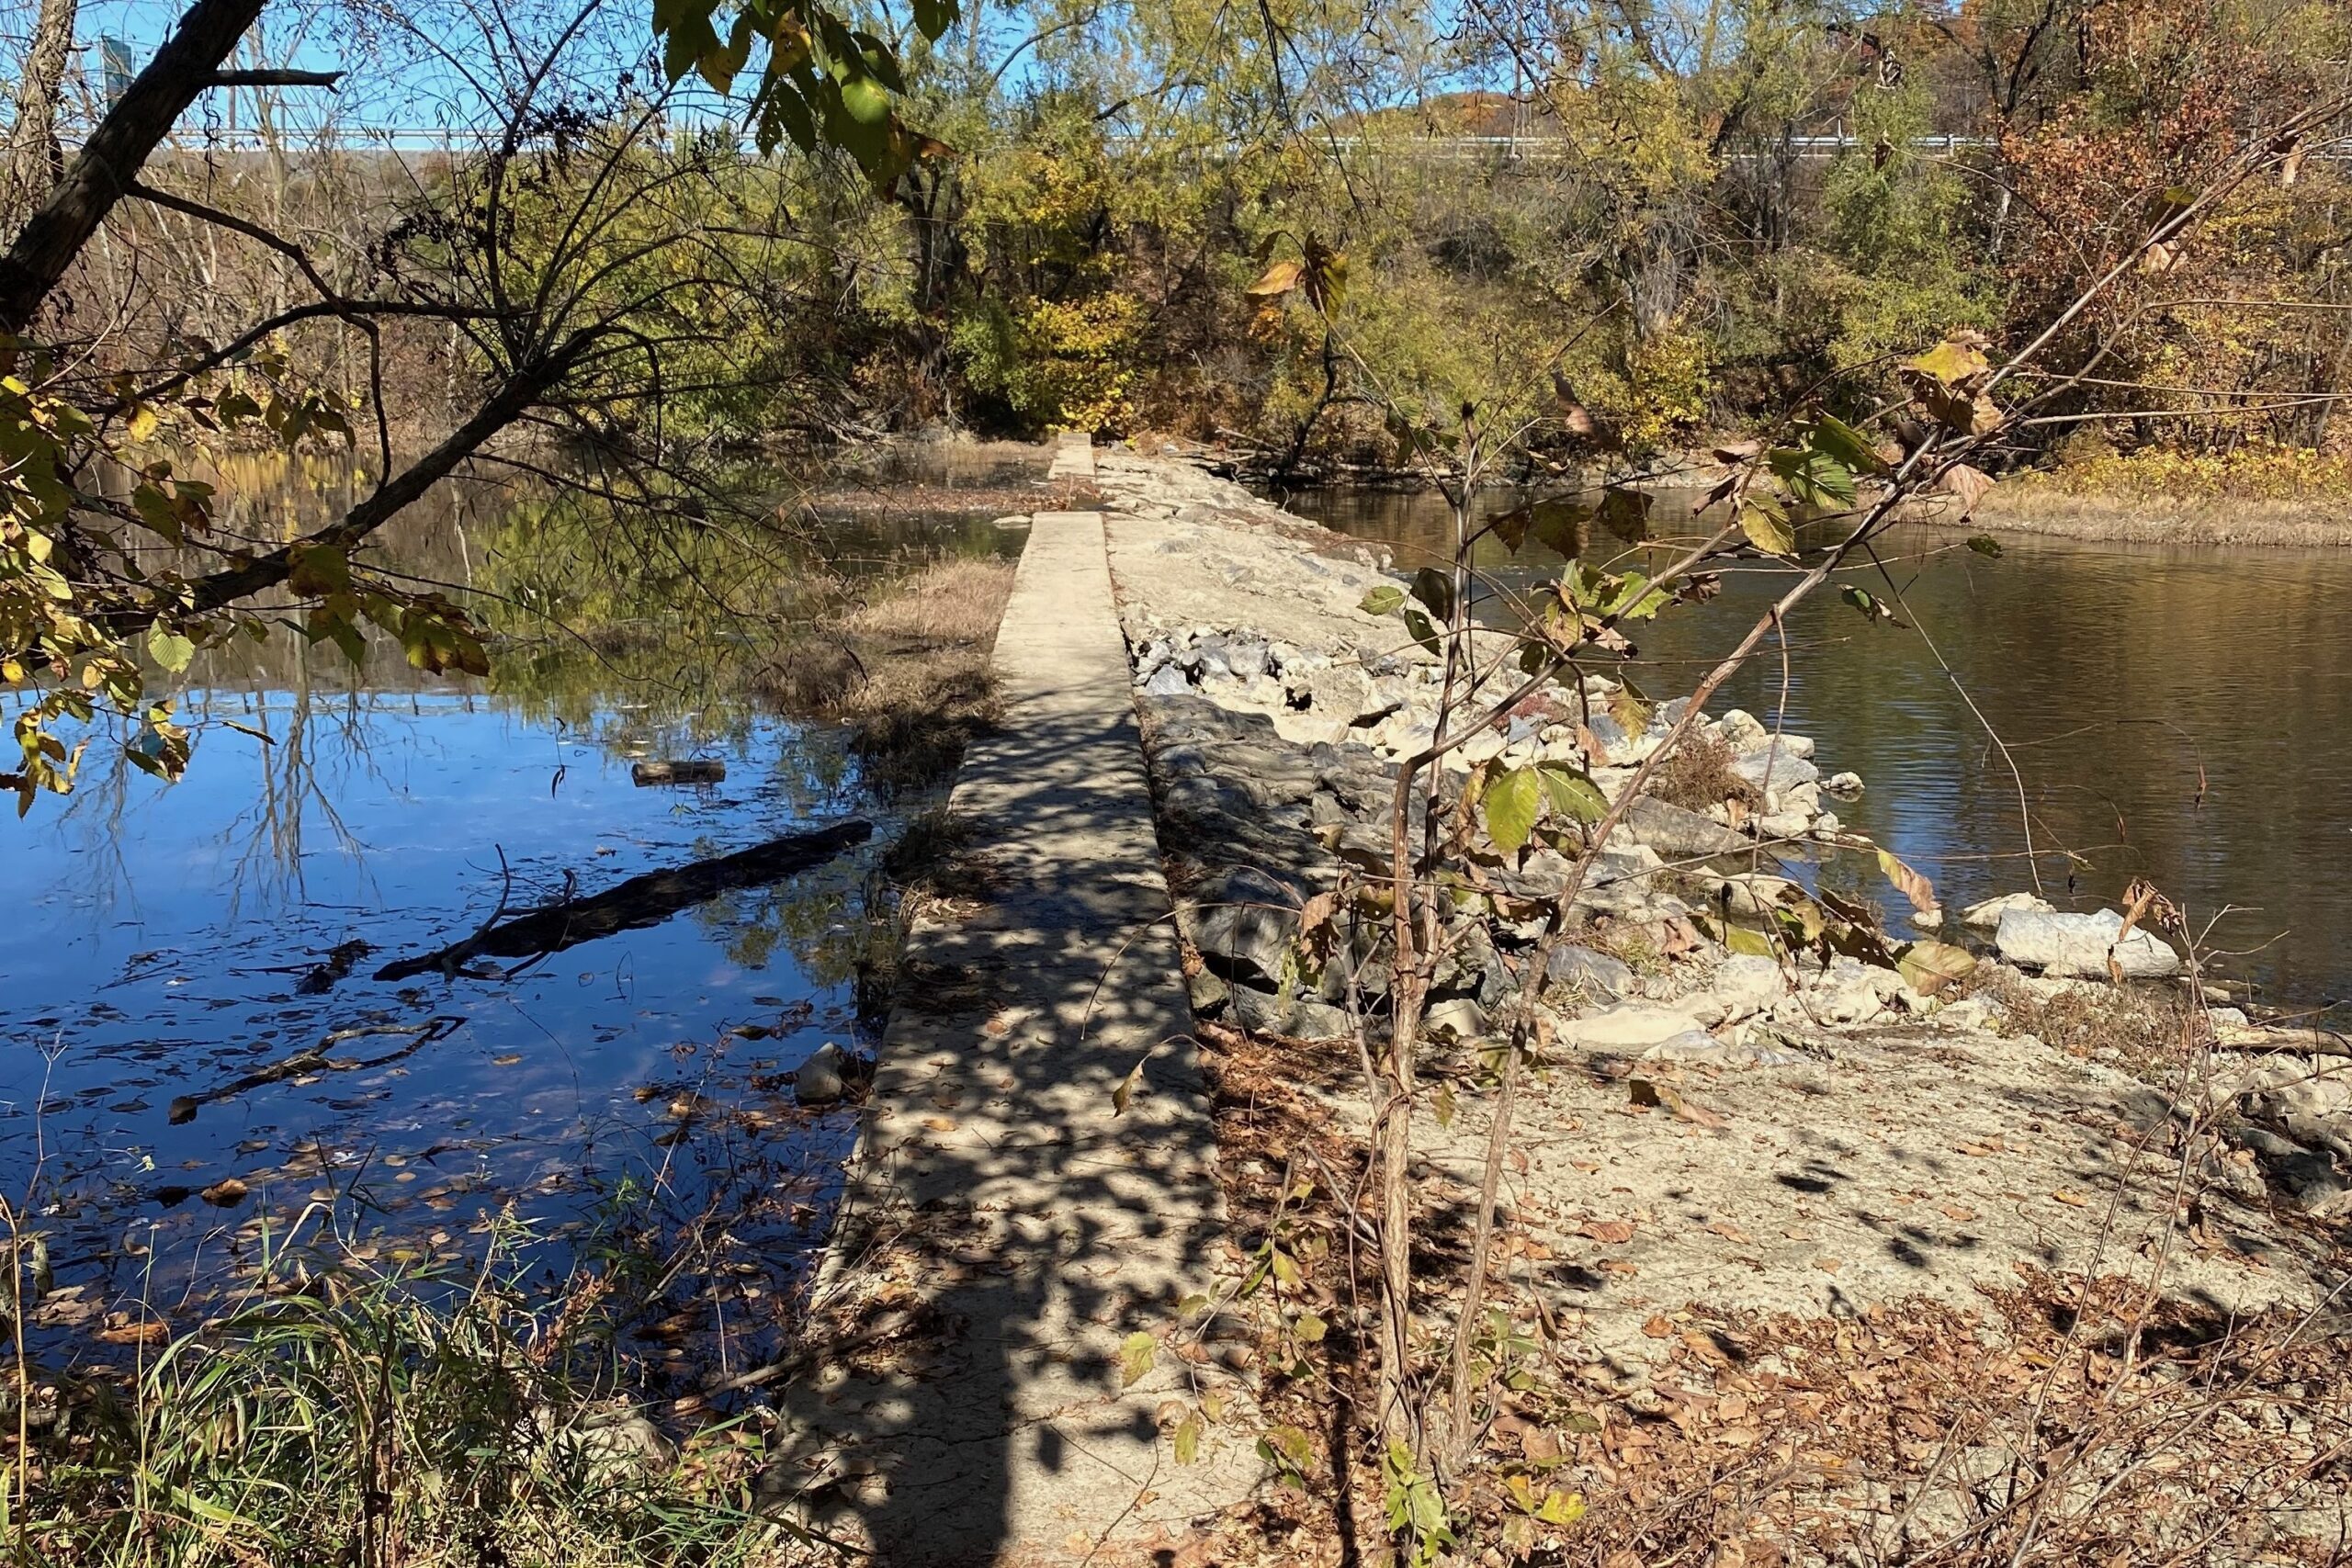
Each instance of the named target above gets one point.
<point>2180,713</point>
<point>165,974</point>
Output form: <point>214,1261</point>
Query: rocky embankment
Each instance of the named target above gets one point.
<point>1882,1141</point>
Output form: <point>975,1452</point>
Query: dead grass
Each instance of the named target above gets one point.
<point>1700,775</point>
<point>2057,1422</point>
<point>2029,508</point>
<point>908,670</point>
<point>2141,1029</point>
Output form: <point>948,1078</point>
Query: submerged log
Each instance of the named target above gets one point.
<point>712,771</point>
<point>641,901</point>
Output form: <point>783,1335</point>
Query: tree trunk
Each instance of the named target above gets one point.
<point>53,235</point>
<point>35,158</point>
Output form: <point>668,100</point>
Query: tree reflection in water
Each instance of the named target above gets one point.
<point>629,1093</point>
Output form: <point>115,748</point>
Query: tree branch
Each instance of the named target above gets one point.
<point>53,236</point>
<point>274,78</point>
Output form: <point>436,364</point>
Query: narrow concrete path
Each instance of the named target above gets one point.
<point>1032,1228</point>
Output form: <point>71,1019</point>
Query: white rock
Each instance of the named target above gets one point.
<point>2080,944</point>
<point>817,1080</point>
<point>1746,984</point>
<point>1974,1014</point>
<point>1843,784</point>
<point>1630,1026</point>
<point>1987,915</point>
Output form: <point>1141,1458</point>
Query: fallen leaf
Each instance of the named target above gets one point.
<point>1960,1213</point>
<point>1727,1230</point>
<point>148,1331</point>
<point>1657,1328</point>
<point>1136,1355</point>
<point>1613,1233</point>
<point>1829,1265</point>
<point>2072,1199</point>
<point>225,1194</point>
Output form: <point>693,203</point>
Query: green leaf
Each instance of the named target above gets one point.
<point>1626,513</point>
<point>933,17</point>
<point>1747,940</point>
<point>1843,443</point>
<point>1812,477</point>
<point>1767,528</point>
<point>1383,600</point>
<point>720,63</point>
<point>1137,1354</point>
<point>1510,527</point>
<point>1434,589</point>
<point>1869,605</point>
<point>155,510</point>
<point>1511,804</point>
<point>1423,633</point>
<point>1560,525</point>
<point>1572,794</point>
<point>1987,545</point>
<point>1634,598</point>
<point>866,100</point>
<point>1311,1328</point>
<point>168,648</point>
<point>1560,1509</point>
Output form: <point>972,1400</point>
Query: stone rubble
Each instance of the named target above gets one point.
<point>1273,710</point>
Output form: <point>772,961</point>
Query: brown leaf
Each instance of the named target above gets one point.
<point>1611,1232</point>
<point>145,1331</point>
<point>1914,886</point>
<point>1657,1328</point>
<point>2072,1199</point>
<point>1829,1265</point>
<point>1965,484</point>
<point>1959,1214</point>
<point>225,1194</point>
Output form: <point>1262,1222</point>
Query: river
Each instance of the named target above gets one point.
<point>2171,713</point>
<point>197,1061</point>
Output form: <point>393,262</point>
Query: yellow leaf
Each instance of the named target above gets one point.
<point>1765,531</point>
<point>1278,279</point>
<point>1136,1355</point>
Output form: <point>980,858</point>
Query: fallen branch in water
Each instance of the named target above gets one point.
<point>641,901</point>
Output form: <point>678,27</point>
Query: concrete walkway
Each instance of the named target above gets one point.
<point>1032,1227</point>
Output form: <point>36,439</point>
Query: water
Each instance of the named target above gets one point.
<point>186,1070</point>
<point>2179,713</point>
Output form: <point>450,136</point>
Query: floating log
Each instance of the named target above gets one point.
<point>645,773</point>
<point>645,901</point>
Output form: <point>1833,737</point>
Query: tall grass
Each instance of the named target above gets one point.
<point>387,1419</point>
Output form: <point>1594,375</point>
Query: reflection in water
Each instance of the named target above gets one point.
<point>193,1052</point>
<point>2175,713</point>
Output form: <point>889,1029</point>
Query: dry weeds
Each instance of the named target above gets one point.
<point>908,670</point>
<point>1700,775</point>
<point>2057,1422</point>
<point>2029,508</point>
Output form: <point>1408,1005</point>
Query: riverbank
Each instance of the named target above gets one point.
<point>1754,1202</point>
<point>2029,507</point>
